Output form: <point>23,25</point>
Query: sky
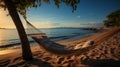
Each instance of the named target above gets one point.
<point>89,13</point>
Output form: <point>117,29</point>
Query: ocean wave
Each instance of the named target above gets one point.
<point>57,37</point>
<point>53,34</point>
<point>13,44</point>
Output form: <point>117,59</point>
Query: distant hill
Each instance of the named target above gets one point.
<point>66,27</point>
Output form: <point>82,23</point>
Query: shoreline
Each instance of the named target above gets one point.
<point>63,42</point>
<point>104,52</point>
<point>15,42</point>
<point>67,42</point>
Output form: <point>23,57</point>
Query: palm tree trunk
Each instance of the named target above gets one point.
<point>26,51</point>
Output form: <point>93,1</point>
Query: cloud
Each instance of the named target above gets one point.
<point>55,24</point>
<point>92,24</point>
<point>42,24</point>
<point>66,24</point>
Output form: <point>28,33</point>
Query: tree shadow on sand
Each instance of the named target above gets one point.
<point>102,63</point>
<point>34,62</point>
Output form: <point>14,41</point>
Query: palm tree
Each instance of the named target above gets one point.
<point>20,6</point>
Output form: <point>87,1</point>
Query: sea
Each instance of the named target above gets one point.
<point>9,37</point>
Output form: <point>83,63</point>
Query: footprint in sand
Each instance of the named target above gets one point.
<point>4,63</point>
<point>37,54</point>
<point>17,59</point>
<point>47,58</point>
<point>60,60</point>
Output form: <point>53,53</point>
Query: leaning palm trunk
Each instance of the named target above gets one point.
<point>26,51</point>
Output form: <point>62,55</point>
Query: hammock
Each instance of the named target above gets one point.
<point>53,47</point>
<point>48,45</point>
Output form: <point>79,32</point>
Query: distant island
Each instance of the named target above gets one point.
<point>84,28</point>
<point>75,27</point>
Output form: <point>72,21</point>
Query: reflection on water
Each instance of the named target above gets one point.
<point>10,38</point>
<point>6,35</point>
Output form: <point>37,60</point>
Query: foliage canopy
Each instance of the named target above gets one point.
<point>113,19</point>
<point>23,5</point>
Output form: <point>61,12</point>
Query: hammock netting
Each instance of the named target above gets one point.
<point>53,47</point>
<point>31,29</point>
<point>45,43</point>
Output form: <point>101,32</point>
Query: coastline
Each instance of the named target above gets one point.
<point>67,42</point>
<point>13,40</point>
<point>14,46</point>
<point>47,59</point>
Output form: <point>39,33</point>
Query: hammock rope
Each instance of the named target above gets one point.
<point>53,47</point>
<point>31,29</point>
<point>48,45</point>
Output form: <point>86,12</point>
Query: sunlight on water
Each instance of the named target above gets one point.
<point>2,36</point>
<point>6,51</point>
<point>7,36</point>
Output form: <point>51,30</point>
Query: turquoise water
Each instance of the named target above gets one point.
<point>10,38</point>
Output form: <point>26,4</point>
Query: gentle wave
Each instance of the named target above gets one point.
<point>13,44</point>
<point>54,34</point>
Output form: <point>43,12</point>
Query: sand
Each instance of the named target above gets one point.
<point>104,54</point>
